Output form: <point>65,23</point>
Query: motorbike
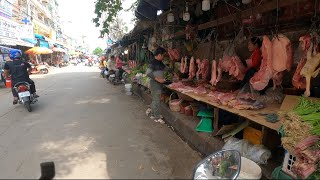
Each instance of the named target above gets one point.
<point>24,95</point>
<point>116,80</point>
<point>39,69</point>
<point>224,164</point>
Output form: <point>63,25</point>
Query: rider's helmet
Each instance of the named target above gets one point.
<point>15,54</point>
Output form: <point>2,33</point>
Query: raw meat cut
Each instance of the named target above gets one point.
<point>282,53</point>
<point>185,68</point>
<point>298,80</point>
<point>309,69</point>
<point>199,68</point>
<point>182,65</point>
<point>192,69</point>
<point>309,156</point>
<point>282,58</point>
<point>219,71</point>
<point>231,63</point>
<point>261,78</point>
<point>205,64</point>
<point>200,90</point>
<point>306,143</point>
<point>237,69</point>
<point>213,80</point>
<point>277,79</point>
<point>302,169</point>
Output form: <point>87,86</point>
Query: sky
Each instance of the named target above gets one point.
<point>77,16</point>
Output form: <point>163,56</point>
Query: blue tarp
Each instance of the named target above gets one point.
<point>44,43</point>
<point>39,36</point>
<point>32,41</point>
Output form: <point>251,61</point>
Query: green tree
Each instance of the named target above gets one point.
<point>106,12</point>
<point>98,51</point>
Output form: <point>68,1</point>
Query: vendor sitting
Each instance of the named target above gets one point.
<point>253,64</point>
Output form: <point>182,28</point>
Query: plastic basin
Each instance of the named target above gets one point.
<point>249,169</point>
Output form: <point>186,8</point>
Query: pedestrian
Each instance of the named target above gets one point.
<point>155,72</point>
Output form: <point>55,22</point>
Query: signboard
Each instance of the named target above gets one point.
<point>6,8</point>
<point>8,28</point>
<point>25,31</point>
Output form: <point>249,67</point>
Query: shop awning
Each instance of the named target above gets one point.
<point>7,41</point>
<point>32,41</point>
<point>25,43</point>
<point>58,49</point>
<point>148,8</point>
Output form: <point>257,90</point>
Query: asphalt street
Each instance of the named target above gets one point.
<point>90,129</point>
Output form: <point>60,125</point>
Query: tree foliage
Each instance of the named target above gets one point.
<point>106,12</point>
<point>98,51</point>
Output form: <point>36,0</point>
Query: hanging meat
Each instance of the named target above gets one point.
<point>205,66</point>
<point>185,68</point>
<point>309,69</point>
<point>182,65</point>
<point>232,64</point>
<point>282,58</point>
<point>219,71</point>
<point>173,54</point>
<point>198,61</point>
<point>299,81</point>
<point>213,80</point>
<point>261,78</point>
<point>192,69</point>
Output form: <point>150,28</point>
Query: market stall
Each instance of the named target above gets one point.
<point>255,60</point>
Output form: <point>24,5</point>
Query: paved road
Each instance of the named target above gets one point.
<point>90,129</point>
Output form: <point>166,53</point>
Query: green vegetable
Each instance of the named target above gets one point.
<point>309,111</point>
<point>224,167</point>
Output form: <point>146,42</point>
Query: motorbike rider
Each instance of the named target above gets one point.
<point>19,71</point>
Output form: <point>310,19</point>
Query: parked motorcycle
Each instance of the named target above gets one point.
<point>116,80</point>
<point>2,79</point>
<point>39,69</point>
<point>223,164</point>
<point>24,95</point>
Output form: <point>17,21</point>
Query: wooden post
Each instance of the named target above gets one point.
<point>216,120</point>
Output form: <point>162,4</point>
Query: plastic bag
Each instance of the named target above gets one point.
<point>272,96</point>
<point>248,93</point>
<point>259,154</point>
<point>256,153</point>
<point>236,144</point>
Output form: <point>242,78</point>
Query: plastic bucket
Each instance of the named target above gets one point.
<point>128,87</point>
<point>249,169</point>
<point>8,83</point>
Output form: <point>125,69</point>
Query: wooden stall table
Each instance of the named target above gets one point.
<point>251,115</point>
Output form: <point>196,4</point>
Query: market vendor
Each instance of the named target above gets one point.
<point>155,72</point>
<point>253,64</point>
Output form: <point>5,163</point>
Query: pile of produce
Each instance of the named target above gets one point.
<point>302,137</point>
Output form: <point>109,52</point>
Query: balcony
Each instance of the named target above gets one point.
<point>44,10</point>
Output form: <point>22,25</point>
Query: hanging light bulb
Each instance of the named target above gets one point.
<point>186,15</point>
<point>205,5</point>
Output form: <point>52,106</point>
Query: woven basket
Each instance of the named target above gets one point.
<point>174,104</point>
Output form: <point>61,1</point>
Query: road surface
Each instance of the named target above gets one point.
<point>90,129</point>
